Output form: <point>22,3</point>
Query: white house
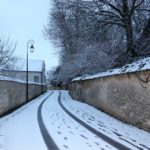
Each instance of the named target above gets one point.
<point>36,70</point>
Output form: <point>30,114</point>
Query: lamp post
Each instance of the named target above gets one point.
<point>29,44</point>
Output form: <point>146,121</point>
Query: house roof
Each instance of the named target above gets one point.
<point>33,65</point>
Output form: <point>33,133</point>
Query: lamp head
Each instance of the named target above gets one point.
<point>32,48</point>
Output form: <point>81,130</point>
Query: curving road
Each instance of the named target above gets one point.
<point>56,122</point>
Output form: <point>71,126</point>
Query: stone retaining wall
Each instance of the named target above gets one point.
<point>13,94</point>
<point>125,96</point>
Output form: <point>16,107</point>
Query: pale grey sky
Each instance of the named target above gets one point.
<point>22,20</point>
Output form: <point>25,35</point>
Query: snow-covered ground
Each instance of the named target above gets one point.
<point>20,130</point>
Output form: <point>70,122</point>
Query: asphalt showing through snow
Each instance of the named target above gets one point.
<point>51,145</point>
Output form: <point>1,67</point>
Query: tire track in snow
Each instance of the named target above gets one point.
<point>51,145</point>
<point>99,134</point>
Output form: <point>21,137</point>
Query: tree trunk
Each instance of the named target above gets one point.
<point>129,36</point>
<point>128,28</point>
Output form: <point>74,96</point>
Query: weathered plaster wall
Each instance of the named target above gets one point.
<point>13,94</point>
<point>125,96</point>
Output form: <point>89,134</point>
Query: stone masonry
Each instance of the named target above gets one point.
<point>125,96</point>
<point>13,94</point>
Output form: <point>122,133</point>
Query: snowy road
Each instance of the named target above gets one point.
<point>56,122</point>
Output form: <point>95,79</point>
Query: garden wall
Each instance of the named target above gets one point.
<point>124,96</point>
<point>13,94</point>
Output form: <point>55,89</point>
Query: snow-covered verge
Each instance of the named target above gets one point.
<point>140,65</point>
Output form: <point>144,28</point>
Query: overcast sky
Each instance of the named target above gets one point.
<point>22,20</point>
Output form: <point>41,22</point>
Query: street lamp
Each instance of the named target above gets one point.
<point>29,44</point>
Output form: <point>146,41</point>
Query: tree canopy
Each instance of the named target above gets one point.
<point>96,35</point>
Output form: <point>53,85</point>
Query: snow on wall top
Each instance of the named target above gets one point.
<point>3,78</point>
<point>142,64</point>
<point>33,65</point>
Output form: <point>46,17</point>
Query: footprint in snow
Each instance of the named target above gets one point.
<point>59,132</point>
<point>71,132</point>
<point>65,138</point>
<point>84,136</point>
<point>65,146</point>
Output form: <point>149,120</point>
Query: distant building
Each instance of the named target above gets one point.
<point>36,70</point>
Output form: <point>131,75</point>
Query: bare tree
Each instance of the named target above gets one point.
<point>120,13</point>
<point>93,34</point>
<point>7,49</point>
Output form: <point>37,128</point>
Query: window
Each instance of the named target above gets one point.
<point>36,78</point>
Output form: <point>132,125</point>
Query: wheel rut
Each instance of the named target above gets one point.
<point>94,131</point>
<point>50,143</point>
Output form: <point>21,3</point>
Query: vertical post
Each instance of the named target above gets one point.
<point>42,80</point>
<point>27,77</point>
<point>30,42</point>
